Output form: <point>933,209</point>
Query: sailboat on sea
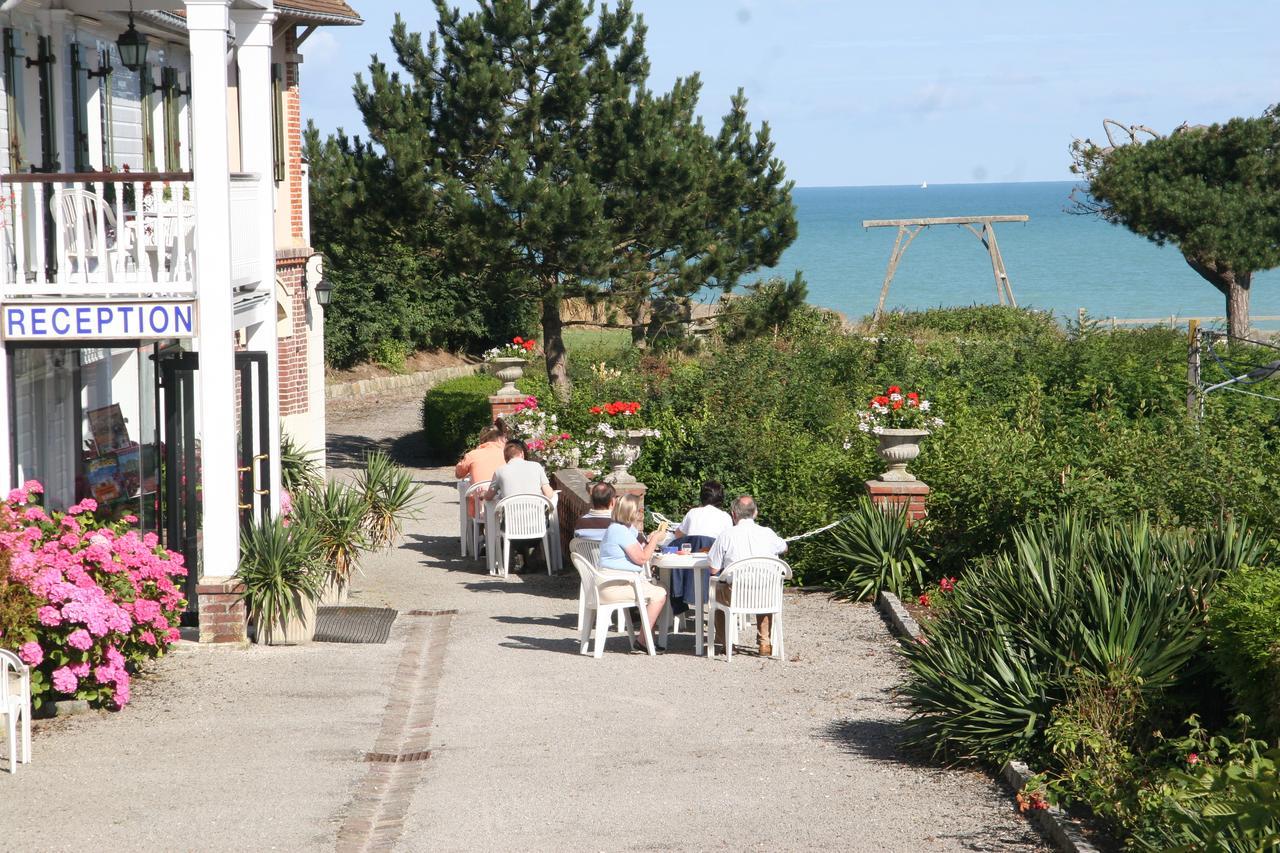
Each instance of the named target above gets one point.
<point>924,185</point>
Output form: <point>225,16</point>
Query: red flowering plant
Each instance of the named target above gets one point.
<point>895,409</point>
<point>106,597</point>
<point>541,433</point>
<point>517,348</point>
<point>614,438</point>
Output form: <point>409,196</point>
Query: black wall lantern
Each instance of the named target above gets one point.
<point>132,45</point>
<point>324,292</point>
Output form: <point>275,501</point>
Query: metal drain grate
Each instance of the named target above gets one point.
<point>396,757</point>
<point>354,624</point>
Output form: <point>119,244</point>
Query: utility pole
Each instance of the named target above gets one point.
<point>1193,369</point>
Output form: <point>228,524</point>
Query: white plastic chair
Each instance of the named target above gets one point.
<point>15,704</point>
<point>521,517</point>
<point>78,216</point>
<point>755,588</point>
<point>599,614</point>
<point>590,550</point>
<point>464,523</point>
<point>473,524</point>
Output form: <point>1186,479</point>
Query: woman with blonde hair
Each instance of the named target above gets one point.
<point>620,550</point>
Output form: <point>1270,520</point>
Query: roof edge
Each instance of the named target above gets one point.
<point>283,10</point>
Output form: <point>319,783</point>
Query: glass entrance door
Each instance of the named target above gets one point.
<point>254,435</point>
<point>179,460</point>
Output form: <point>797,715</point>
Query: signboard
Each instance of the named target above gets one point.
<point>97,320</point>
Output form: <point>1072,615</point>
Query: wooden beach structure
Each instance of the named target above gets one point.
<point>982,227</point>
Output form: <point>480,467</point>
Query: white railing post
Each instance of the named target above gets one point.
<point>257,152</point>
<point>207,24</point>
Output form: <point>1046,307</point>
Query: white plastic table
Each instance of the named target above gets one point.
<point>664,563</point>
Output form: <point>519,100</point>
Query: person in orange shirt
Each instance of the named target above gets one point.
<point>481,463</point>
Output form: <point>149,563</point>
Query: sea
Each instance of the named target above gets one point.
<point>1056,261</point>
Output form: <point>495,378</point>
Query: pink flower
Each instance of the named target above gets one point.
<point>33,487</point>
<point>286,502</point>
<point>49,616</point>
<point>148,638</point>
<point>86,505</point>
<point>80,639</point>
<point>1193,759</point>
<point>131,519</point>
<point>64,680</point>
<point>31,653</point>
<point>80,670</point>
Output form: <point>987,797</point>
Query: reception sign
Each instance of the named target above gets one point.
<point>97,320</point>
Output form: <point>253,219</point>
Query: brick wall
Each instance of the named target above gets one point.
<point>293,349</point>
<point>293,137</point>
<point>222,614</point>
<point>910,497</point>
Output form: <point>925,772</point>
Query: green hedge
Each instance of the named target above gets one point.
<point>1244,622</point>
<point>454,411</point>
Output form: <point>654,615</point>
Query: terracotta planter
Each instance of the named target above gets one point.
<point>897,448</point>
<point>296,631</point>
<point>509,370</point>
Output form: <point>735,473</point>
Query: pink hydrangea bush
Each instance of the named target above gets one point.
<point>107,598</point>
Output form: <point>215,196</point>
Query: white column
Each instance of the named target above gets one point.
<point>207,23</point>
<point>257,155</point>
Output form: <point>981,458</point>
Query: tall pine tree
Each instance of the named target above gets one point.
<point>526,133</point>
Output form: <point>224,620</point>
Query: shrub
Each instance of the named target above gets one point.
<point>281,569</point>
<point>454,411</point>
<point>1244,623</point>
<point>879,549</point>
<point>299,470</point>
<point>336,514</point>
<point>105,594</point>
<point>390,496</point>
<point>1068,595</point>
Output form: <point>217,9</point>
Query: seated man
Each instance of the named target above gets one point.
<point>481,463</point>
<point>600,516</point>
<point>700,528</point>
<point>520,477</point>
<point>745,539</point>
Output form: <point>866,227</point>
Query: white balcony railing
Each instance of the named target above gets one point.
<point>98,234</point>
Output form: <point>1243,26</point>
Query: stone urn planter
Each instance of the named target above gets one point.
<point>296,631</point>
<point>897,448</point>
<point>509,370</point>
<point>623,456</point>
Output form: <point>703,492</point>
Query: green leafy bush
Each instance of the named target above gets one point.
<point>1244,623</point>
<point>454,411</point>
<point>1069,595</point>
<point>282,569</point>
<point>874,549</point>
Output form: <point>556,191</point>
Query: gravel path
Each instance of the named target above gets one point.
<point>532,746</point>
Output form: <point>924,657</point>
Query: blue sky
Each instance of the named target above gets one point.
<point>864,93</point>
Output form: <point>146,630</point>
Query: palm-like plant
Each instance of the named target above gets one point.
<point>335,515</point>
<point>281,571</point>
<point>299,471</point>
<point>390,497</point>
<point>880,550</point>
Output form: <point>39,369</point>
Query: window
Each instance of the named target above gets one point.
<point>172,112</point>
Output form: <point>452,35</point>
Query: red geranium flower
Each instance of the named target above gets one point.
<point>923,599</point>
<point>894,389</point>
<point>517,340</point>
<point>595,410</point>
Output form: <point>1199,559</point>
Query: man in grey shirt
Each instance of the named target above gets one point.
<point>520,477</point>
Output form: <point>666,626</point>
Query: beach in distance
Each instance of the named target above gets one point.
<point>1057,261</point>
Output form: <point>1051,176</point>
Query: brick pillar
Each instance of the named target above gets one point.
<point>222,614</point>
<point>504,405</point>
<point>574,486</point>
<point>911,496</point>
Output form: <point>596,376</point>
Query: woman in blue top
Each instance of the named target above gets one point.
<point>620,550</point>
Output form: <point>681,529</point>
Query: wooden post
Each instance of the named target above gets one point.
<point>1193,370</point>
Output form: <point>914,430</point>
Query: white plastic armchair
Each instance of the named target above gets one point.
<point>755,588</point>
<point>464,523</point>
<point>473,523</point>
<point>590,550</point>
<point>15,707</point>
<point>522,517</point>
<point>599,614</point>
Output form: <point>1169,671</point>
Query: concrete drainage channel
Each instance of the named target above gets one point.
<point>1061,830</point>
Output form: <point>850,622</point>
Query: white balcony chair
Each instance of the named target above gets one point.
<point>473,525</point>
<point>78,215</point>
<point>464,523</point>
<point>15,706</point>
<point>755,588</point>
<point>599,614</point>
<point>521,517</point>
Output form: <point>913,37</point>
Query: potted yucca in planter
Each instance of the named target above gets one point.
<point>390,497</point>
<point>282,574</point>
<point>335,514</point>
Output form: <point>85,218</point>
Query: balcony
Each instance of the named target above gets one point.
<point>116,234</point>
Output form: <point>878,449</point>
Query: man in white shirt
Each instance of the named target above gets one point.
<point>745,539</point>
<point>520,477</point>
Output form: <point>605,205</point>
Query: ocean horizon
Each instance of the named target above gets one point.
<point>1057,261</point>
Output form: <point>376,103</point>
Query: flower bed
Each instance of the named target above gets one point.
<point>97,598</point>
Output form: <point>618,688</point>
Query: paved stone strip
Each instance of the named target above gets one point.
<point>376,814</point>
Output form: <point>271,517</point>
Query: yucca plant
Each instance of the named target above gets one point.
<point>299,471</point>
<point>1070,593</point>
<point>879,549</point>
<point>281,571</point>
<point>390,498</point>
<point>335,514</point>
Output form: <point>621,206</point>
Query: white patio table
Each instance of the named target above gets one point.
<point>664,563</point>
<point>493,554</point>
